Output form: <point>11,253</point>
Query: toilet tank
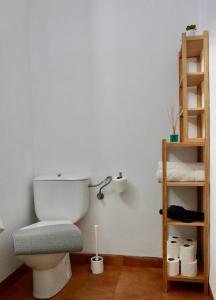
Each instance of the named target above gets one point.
<point>60,197</point>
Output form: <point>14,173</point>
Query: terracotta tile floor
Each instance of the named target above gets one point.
<point>116,283</point>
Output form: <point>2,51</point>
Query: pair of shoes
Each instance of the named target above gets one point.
<point>176,212</point>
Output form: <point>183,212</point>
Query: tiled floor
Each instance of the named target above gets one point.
<point>116,283</point>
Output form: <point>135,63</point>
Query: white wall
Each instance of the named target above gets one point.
<point>103,73</point>
<point>15,128</point>
<point>209,9</point>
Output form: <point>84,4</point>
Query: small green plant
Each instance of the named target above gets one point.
<point>191,27</point>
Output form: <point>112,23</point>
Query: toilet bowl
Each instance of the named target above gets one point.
<point>45,246</point>
<point>51,272</point>
<point>41,262</point>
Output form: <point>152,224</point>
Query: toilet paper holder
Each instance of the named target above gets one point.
<point>107,181</point>
<point>102,183</point>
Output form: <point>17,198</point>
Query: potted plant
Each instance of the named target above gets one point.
<point>174,117</point>
<point>191,29</point>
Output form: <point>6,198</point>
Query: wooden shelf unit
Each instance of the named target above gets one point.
<point>192,47</point>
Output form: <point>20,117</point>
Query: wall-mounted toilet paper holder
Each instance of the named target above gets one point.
<point>104,183</point>
<point>119,184</point>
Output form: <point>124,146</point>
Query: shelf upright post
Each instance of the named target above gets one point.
<point>206,161</point>
<point>184,88</point>
<point>164,200</point>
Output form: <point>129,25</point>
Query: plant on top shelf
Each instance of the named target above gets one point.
<point>174,117</point>
<point>191,29</point>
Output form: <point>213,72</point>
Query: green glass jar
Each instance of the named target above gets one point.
<point>174,138</point>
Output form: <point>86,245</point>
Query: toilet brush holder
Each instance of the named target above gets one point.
<point>97,265</point>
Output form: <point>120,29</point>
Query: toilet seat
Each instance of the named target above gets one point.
<point>44,237</point>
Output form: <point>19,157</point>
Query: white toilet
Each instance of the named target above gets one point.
<point>45,246</point>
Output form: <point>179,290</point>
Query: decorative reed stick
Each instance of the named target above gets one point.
<point>174,117</point>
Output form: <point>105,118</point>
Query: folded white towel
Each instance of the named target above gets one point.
<point>180,171</point>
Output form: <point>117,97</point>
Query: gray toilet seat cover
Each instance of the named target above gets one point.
<point>55,238</point>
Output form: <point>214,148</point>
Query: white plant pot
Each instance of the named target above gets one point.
<point>191,32</point>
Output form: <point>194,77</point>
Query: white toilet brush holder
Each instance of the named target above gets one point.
<point>97,265</point>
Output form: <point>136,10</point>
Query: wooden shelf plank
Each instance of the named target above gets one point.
<point>197,140</point>
<point>199,278</point>
<point>195,37</point>
<point>194,79</point>
<point>195,111</point>
<point>194,46</point>
<point>185,183</point>
<point>179,223</point>
<point>186,144</point>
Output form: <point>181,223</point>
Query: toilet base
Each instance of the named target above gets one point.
<point>47,283</point>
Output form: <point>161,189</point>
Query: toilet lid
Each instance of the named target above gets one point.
<point>54,236</point>
<point>47,223</point>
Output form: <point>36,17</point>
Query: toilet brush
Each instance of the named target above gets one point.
<point>97,266</point>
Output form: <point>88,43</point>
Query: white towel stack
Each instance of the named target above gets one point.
<point>179,171</point>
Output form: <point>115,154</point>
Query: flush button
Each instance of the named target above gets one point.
<point>59,174</point>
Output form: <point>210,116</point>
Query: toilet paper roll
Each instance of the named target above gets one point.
<point>172,266</point>
<point>173,248</point>
<point>187,253</point>
<point>176,238</point>
<point>189,269</point>
<point>119,184</point>
<point>191,241</point>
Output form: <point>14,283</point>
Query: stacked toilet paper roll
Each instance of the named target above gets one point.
<point>191,241</point>
<point>173,248</point>
<point>172,266</point>
<point>188,260</point>
<point>182,241</point>
<point>189,269</point>
<point>176,238</point>
<point>187,252</point>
